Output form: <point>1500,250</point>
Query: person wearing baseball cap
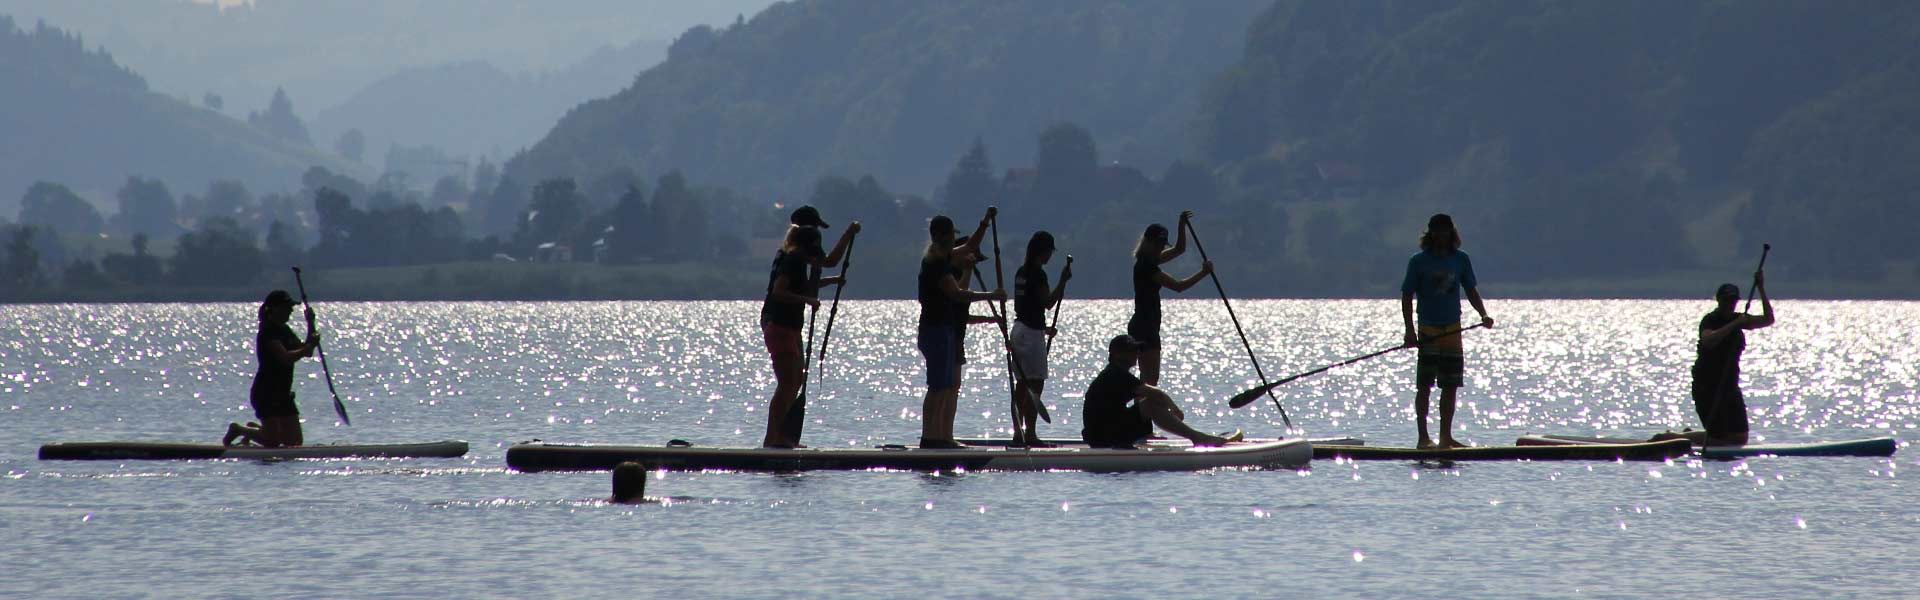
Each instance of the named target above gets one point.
<point>1148,279</point>
<point>1436,276</point>
<point>275,349</point>
<point>791,289</point>
<point>1121,410</point>
<point>943,297</point>
<point>1029,334</point>
<point>808,216</point>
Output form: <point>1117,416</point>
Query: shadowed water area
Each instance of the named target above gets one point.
<point>645,372</point>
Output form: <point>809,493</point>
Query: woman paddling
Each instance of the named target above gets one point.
<point>1148,255</point>
<point>943,312</point>
<point>1031,299</point>
<point>275,349</point>
<point>790,291</point>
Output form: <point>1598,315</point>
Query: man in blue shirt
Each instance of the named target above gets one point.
<point>1436,276</point>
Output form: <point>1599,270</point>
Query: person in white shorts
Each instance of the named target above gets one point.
<point>1031,299</point>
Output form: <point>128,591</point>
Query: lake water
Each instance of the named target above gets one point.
<point>646,372</point>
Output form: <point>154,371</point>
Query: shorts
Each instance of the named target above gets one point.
<point>939,347</point>
<point>1441,358</point>
<point>781,339</point>
<point>272,406</point>
<point>1144,331</point>
<point>1123,431</point>
<point>1029,351</point>
<point>1722,408</point>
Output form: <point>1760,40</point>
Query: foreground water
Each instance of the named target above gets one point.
<point>497,373</point>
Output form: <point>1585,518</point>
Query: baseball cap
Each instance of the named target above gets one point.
<point>808,216</point>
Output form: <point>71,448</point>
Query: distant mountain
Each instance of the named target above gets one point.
<point>900,89</point>
<point>76,117</point>
<point>1597,139</point>
<point>475,109</point>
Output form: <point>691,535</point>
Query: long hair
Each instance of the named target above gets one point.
<point>800,237</point>
<point>1427,242</point>
<point>1147,238</point>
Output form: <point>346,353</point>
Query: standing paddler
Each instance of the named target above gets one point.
<point>1148,255</point>
<point>1031,299</point>
<point>275,349</point>
<point>790,291</point>
<point>1436,276</point>
<point>943,299</point>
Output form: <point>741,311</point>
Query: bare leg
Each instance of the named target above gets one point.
<point>787,375</point>
<point>1447,404</point>
<point>1150,366</point>
<point>1420,404</point>
<point>1031,415</point>
<point>1165,415</point>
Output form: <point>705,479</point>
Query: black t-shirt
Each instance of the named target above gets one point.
<point>1110,421</point>
<point>1722,361</point>
<point>273,376</point>
<point>787,314</point>
<point>935,308</point>
<point>1146,290</point>
<point>1030,296</point>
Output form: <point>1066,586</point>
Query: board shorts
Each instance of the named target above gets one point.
<point>1722,408</point>
<point>1029,350</point>
<point>1145,332</point>
<point>780,339</point>
<point>1127,429</point>
<point>939,346</point>
<point>1442,359</point>
<point>267,405</point>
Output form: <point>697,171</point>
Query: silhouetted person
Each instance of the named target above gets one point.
<point>275,348</point>
<point>1121,409</point>
<point>943,302</point>
<point>1031,299</point>
<point>1436,276</point>
<point>1716,370</point>
<point>790,291</point>
<point>629,483</point>
<point>1148,255</point>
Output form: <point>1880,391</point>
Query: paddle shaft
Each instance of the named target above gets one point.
<point>1727,380</point>
<point>338,407</point>
<point>1012,365</point>
<point>1247,397</point>
<point>1055,328</point>
<point>796,418</point>
<point>834,310</point>
<point>1195,234</point>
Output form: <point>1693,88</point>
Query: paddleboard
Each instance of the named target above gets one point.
<point>547,456</point>
<point>1880,446</point>
<point>187,451</point>
<point>1638,451</point>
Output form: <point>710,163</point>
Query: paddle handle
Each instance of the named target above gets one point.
<point>1195,234</point>
<point>338,407</point>
<point>1764,249</point>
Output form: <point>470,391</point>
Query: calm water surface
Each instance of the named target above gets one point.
<point>645,372</point>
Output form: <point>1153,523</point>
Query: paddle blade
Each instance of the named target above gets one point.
<point>341,409</point>
<point>796,419</point>
<point>1247,397</point>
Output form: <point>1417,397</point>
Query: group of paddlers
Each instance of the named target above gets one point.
<point>1120,409</point>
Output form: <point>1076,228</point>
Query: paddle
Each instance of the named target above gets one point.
<point>1247,397</point>
<point>338,408</point>
<point>834,311</point>
<point>1013,366</point>
<point>1713,410</point>
<point>796,418</point>
<point>1056,313</point>
<point>1195,234</point>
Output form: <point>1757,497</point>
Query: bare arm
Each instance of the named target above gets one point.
<point>1181,285</point>
<point>952,290</point>
<point>1766,307</point>
<point>1179,242</point>
<point>1473,298</point>
<point>840,247</point>
<point>1406,314</point>
<point>783,292</point>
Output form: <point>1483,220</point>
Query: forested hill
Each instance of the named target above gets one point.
<point>1591,139</point>
<point>899,90</point>
<point>75,116</point>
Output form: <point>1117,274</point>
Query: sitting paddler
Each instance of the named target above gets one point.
<point>790,291</point>
<point>1716,369</point>
<point>1031,299</point>
<point>1436,276</point>
<point>275,349</point>
<point>943,299</point>
<point>1121,410</point>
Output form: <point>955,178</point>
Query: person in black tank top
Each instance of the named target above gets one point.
<point>1148,279</point>
<point>792,288</point>
<point>275,350</point>
<point>943,299</point>
<point>1716,369</point>
<point>1029,334</point>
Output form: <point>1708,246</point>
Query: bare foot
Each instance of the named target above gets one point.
<point>233,433</point>
<point>1425,444</point>
<point>1450,443</point>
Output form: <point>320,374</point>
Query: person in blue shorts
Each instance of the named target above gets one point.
<point>1436,277</point>
<point>943,299</point>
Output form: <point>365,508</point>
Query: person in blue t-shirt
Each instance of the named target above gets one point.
<point>1436,276</point>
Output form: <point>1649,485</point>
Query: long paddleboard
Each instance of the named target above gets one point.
<point>546,456</point>
<point>1638,451</point>
<point>1077,442</point>
<point>186,451</point>
<point>1880,446</point>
